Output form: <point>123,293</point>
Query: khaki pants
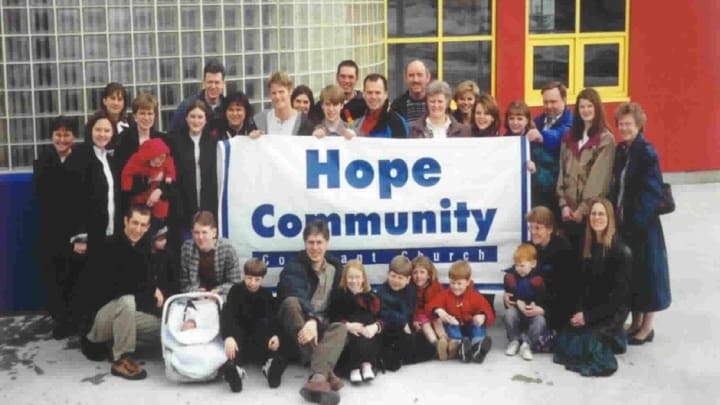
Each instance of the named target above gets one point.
<point>119,321</point>
<point>331,340</point>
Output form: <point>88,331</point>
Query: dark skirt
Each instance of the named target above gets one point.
<point>590,351</point>
<point>650,283</point>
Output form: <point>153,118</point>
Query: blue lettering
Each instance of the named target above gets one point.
<point>362,221</point>
<point>289,225</point>
<point>315,169</point>
<point>359,174</point>
<point>484,222</point>
<point>388,180</point>
<point>399,227</point>
<point>423,169</point>
<point>428,217</point>
<point>257,220</point>
<point>333,221</point>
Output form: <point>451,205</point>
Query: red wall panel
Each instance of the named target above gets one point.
<point>675,75</point>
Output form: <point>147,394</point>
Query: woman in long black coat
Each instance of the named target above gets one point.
<point>195,153</point>
<point>57,182</point>
<point>595,331</point>
<point>637,193</point>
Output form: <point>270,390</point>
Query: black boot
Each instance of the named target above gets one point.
<point>232,376</point>
<point>273,370</point>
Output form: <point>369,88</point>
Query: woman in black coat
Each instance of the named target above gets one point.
<point>195,155</point>
<point>600,305</point>
<point>100,195</point>
<point>636,190</point>
<point>57,183</point>
<point>555,260</point>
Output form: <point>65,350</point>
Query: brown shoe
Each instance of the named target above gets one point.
<point>127,368</point>
<point>319,392</point>
<point>442,349</point>
<point>336,383</point>
<point>453,348</point>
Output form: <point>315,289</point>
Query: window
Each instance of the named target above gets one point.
<point>453,37</point>
<point>582,43</point>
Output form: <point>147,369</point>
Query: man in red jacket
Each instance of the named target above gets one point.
<point>464,313</point>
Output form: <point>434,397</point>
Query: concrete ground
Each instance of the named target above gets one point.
<point>681,365</point>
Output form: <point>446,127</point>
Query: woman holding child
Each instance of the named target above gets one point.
<point>595,333</point>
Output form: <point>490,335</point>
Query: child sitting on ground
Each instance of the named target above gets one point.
<point>354,304</point>
<point>250,328</point>
<point>464,313</point>
<point>424,276</point>
<point>398,301</point>
<point>154,165</point>
<point>527,285</point>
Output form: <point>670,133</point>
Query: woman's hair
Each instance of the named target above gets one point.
<point>467,86</point>
<point>542,215</point>
<point>607,235</point>
<point>196,104</point>
<point>280,78</point>
<point>598,123</point>
<point>204,218</point>
<point>635,111</point>
<point>64,122</point>
<point>332,94</point>
<point>303,89</point>
<point>238,97</point>
<point>97,116</point>
<point>518,107</point>
<point>355,264</point>
<point>488,104</point>
<point>436,87</point>
<point>113,88</point>
<point>427,264</point>
<point>145,101</point>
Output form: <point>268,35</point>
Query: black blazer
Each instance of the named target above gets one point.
<point>184,202</point>
<point>93,196</point>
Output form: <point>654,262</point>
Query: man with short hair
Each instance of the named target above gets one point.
<point>347,76</point>
<point>412,104</point>
<point>377,121</point>
<point>119,296</point>
<point>304,291</point>
<point>211,95</point>
<point>545,140</point>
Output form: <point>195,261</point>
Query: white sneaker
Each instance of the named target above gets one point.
<point>512,348</point>
<point>355,376</point>
<point>525,352</point>
<point>367,372</point>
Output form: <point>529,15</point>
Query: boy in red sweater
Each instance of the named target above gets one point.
<point>464,312</point>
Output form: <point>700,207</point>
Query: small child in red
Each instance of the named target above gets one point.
<point>154,164</point>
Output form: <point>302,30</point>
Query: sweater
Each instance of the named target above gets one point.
<point>409,108</point>
<point>423,295</point>
<point>545,155</point>
<point>397,306</point>
<point>464,307</point>
<point>362,307</point>
<point>244,309</point>
<point>227,266</point>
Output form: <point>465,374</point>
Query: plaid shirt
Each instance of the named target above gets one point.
<point>227,266</point>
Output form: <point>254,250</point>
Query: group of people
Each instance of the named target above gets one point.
<point>127,219</point>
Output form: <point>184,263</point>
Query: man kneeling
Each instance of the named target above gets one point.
<point>119,295</point>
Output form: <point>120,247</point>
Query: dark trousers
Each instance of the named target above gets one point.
<point>60,272</point>
<point>399,348</point>
<point>253,346</point>
<point>358,350</point>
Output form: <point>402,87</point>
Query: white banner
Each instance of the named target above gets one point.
<point>448,199</point>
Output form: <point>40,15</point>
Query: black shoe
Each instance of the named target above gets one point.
<point>391,359</point>
<point>93,351</point>
<point>232,376</point>
<point>481,349</point>
<point>637,342</point>
<point>465,350</point>
<point>273,370</point>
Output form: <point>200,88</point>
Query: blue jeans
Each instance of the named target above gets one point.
<point>468,330</point>
<point>516,323</point>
